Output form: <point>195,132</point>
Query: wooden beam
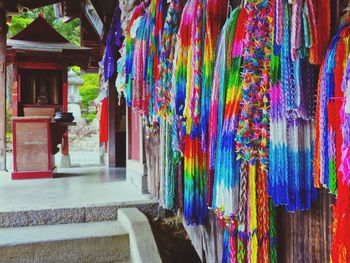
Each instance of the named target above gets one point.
<point>34,4</point>
<point>93,19</point>
<point>40,65</point>
<point>3,30</point>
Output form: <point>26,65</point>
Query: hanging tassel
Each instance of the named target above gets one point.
<point>273,233</point>
<point>232,241</point>
<point>188,181</point>
<point>226,247</point>
<point>253,241</point>
<point>242,219</point>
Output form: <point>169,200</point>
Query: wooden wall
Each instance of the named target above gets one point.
<point>306,236</point>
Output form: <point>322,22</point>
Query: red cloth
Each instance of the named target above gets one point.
<point>104,121</point>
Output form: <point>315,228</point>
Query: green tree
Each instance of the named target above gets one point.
<point>17,24</point>
<point>89,92</point>
<point>71,30</point>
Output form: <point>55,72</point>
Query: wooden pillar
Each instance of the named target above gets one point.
<point>3,30</point>
<point>136,168</point>
<point>112,107</point>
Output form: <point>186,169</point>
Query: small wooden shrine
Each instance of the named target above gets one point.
<point>37,64</point>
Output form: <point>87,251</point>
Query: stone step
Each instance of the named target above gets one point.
<point>69,215</point>
<point>97,242</point>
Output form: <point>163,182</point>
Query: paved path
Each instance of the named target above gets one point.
<point>70,188</point>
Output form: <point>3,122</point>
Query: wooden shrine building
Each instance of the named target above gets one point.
<point>37,59</point>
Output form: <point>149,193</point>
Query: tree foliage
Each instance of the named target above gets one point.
<point>89,90</point>
<point>71,30</point>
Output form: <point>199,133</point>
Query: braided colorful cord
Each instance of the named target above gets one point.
<point>166,60</point>
<point>242,214</point>
<point>273,233</point>
<point>252,216</point>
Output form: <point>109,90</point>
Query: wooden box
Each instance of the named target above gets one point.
<point>32,148</point>
<point>39,111</point>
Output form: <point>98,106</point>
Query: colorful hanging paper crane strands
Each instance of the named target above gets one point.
<point>130,35</point>
<point>298,43</point>
<point>198,33</point>
<point>168,49</point>
<point>238,101</point>
<point>195,206</point>
<point>252,133</point>
<point>328,152</point>
<point>225,105</point>
<point>333,137</point>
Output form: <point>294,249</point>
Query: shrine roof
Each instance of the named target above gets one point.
<point>40,36</point>
<point>40,31</point>
<point>43,46</point>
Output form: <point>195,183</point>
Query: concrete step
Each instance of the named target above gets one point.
<point>97,242</point>
<point>76,214</point>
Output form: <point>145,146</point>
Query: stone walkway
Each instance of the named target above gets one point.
<point>73,187</point>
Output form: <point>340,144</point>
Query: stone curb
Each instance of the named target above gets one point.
<point>143,247</point>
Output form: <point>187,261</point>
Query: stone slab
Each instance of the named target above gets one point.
<point>97,213</point>
<point>75,243</point>
<point>143,247</point>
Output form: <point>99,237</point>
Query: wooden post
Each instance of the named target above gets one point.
<point>3,30</point>
<point>112,107</point>
<point>136,168</point>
